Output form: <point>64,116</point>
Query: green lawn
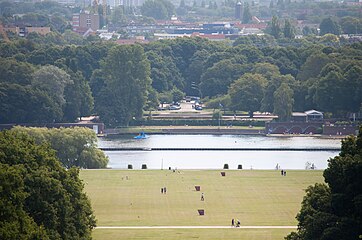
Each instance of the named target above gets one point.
<point>254,197</point>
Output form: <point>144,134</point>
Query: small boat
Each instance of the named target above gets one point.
<point>141,135</point>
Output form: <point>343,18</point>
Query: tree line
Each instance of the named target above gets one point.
<point>54,83</point>
<point>333,210</point>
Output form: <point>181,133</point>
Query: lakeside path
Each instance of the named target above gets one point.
<point>215,130</point>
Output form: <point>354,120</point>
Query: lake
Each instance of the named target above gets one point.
<point>217,159</point>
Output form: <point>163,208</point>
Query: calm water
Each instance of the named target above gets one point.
<point>216,159</point>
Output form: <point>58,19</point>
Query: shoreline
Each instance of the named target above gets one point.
<point>202,130</point>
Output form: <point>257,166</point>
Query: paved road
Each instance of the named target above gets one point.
<point>194,227</point>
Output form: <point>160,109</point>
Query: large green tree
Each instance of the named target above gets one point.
<point>75,147</point>
<point>218,78</point>
<point>329,25</point>
<point>289,30</point>
<point>53,81</point>
<point>283,102</point>
<point>330,90</point>
<point>334,211</point>
<point>274,27</point>
<point>126,81</point>
<point>39,199</point>
<point>247,92</point>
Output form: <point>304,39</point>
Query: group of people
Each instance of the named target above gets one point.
<point>163,190</point>
<point>283,172</point>
<point>235,222</point>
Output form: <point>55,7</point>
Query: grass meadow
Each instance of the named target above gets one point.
<point>255,197</point>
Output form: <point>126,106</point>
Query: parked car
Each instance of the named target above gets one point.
<point>174,107</point>
<point>198,107</point>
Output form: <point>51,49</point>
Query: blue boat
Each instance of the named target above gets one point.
<point>141,135</point>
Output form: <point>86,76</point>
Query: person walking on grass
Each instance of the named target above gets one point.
<point>232,222</point>
<point>202,197</point>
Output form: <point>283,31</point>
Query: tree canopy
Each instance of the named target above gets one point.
<point>39,199</point>
<point>334,210</point>
<point>74,147</point>
<point>126,82</point>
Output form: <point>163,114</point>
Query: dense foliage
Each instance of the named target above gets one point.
<point>126,79</point>
<point>39,199</point>
<point>74,147</point>
<point>334,211</point>
<point>63,83</point>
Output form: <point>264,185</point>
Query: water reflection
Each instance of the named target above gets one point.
<point>216,159</point>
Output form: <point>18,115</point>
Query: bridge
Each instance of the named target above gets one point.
<point>223,149</point>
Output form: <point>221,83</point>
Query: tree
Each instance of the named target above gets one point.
<point>312,66</point>
<point>334,211</point>
<point>309,31</point>
<point>214,103</point>
<point>353,76</point>
<point>52,80</point>
<point>247,92</point>
<point>274,82</point>
<point>79,99</point>
<point>75,147</point>
<point>283,102</point>
<point>330,89</point>
<point>23,104</point>
<point>256,41</point>
<point>218,78</point>
<point>275,29</point>
<point>16,72</point>
<point>164,73</point>
<point>15,222</point>
<point>194,72</point>
<point>328,25</point>
<point>289,31</point>
<point>351,25</point>
<point>177,94</point>
<point>152,100</point>
<point>47,201</point>
<point>246,14</point>
<point>127,78</point>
